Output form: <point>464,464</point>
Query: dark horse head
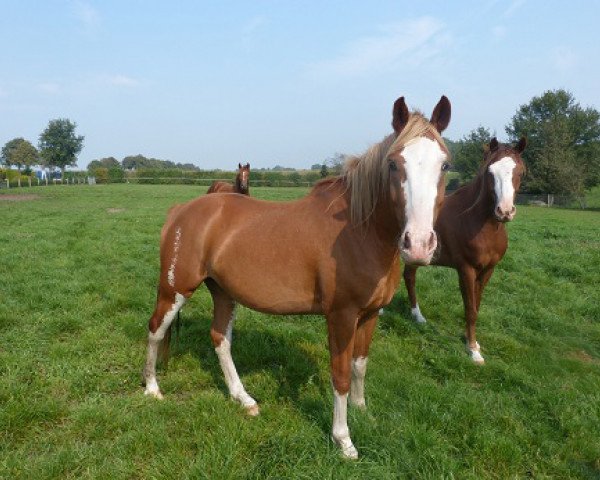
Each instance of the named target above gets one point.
<point>504,170</point>
<point>242,178</point>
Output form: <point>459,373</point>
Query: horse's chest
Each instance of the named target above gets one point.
<point>486,250</point>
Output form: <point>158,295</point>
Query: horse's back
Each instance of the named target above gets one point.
<point>267,255</point>
<point>220,187</point>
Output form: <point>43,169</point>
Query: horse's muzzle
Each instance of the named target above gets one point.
<point>417,249</point>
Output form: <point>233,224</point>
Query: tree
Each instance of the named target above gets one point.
<point>563,151</point>
<point>107,162</point>
<point>19,152</point>
<point>336,162</point>
<point>468,152</point>
<point>324,171</point>
<point>59,146</point>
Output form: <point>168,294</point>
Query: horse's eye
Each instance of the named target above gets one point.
<point>445,167</point>
<point>393,166</point>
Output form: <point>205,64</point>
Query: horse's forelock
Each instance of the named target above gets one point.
<point>366,175</point>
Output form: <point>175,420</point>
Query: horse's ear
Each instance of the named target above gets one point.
<point>248,166</point>
<point>239,165</point>
<point>486,148</point>
<point>399,115</point>
<point>440,118</point>
<point>493,144</point>
<point>520,146</point>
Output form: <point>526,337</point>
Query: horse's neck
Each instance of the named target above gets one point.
<point>385,224</point>
<point>478,201</point>
<point>238,185</point>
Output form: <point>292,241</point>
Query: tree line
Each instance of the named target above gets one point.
<point>563,145</point>
<point>58,147</point>
<point>562,157</point>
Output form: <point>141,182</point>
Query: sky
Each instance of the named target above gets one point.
<point>276,82</point>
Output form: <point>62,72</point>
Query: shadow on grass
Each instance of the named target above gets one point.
<point>294,370</point>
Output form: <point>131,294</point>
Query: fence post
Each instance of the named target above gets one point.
<point>29,178</point>
<point>7,183</point>
<point>46,180</point>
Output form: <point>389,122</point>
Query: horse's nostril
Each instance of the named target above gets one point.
<point>432,241</point>
<point>406,242</point>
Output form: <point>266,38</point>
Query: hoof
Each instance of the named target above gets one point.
<point>477,358</point>
<point>253,410</point>
<point>350,453</point>
<point>360,404</point>
<point>153,393</point>
<point>475,354</point>
<point>348,450</point>
<point>417,315</point>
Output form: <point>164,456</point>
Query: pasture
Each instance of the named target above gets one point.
<point>78,275</point>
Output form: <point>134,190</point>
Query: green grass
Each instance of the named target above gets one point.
<point>77,286</point>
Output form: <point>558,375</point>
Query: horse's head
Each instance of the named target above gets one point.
<point>243,176</point>
<point>504,171</point>
<point>417,169</point>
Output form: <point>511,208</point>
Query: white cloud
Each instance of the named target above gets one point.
<point>254,24</point>
<point>87,15</point>
<point>564,58</point>
<point>512,8</point>
<point>406,43</point>
<point>49,87</point>
<point>251,29</point>
<point>121,81</point>
<point>499,31</point>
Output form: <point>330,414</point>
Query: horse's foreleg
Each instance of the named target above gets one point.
<point>167,306</point>
<point>482,279</point>
<point>410,278</point>
<point>468,288</point>
<point>360,355</point>
<point>221,334</point>
<point>342,328</point>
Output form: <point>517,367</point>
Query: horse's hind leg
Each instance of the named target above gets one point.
<point>220,332</point>
<point>167,306</point>
<point>360,355</point>
<point>410,279</point>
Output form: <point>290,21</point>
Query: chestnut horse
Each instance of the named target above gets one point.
<point>334,252</point>
<point>241,184</point>
<point>471,233</point>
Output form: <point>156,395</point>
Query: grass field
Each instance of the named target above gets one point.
<point>78,274</point>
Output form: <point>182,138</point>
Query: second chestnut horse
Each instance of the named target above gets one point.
<point>472,238</point>
<point>241,184</point>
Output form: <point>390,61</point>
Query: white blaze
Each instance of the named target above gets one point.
<point>423,163</point>
<point>502,170</point>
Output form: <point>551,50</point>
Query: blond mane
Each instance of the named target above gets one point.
<point>367,176</point>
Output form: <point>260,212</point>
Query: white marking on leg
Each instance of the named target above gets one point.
<point>340,432</point>
<point>475,353</point>
<point>417,315</point>
<point>176,244</point>
<point>357,387</point>
<point>232,379</point>
<point>154,340</point>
